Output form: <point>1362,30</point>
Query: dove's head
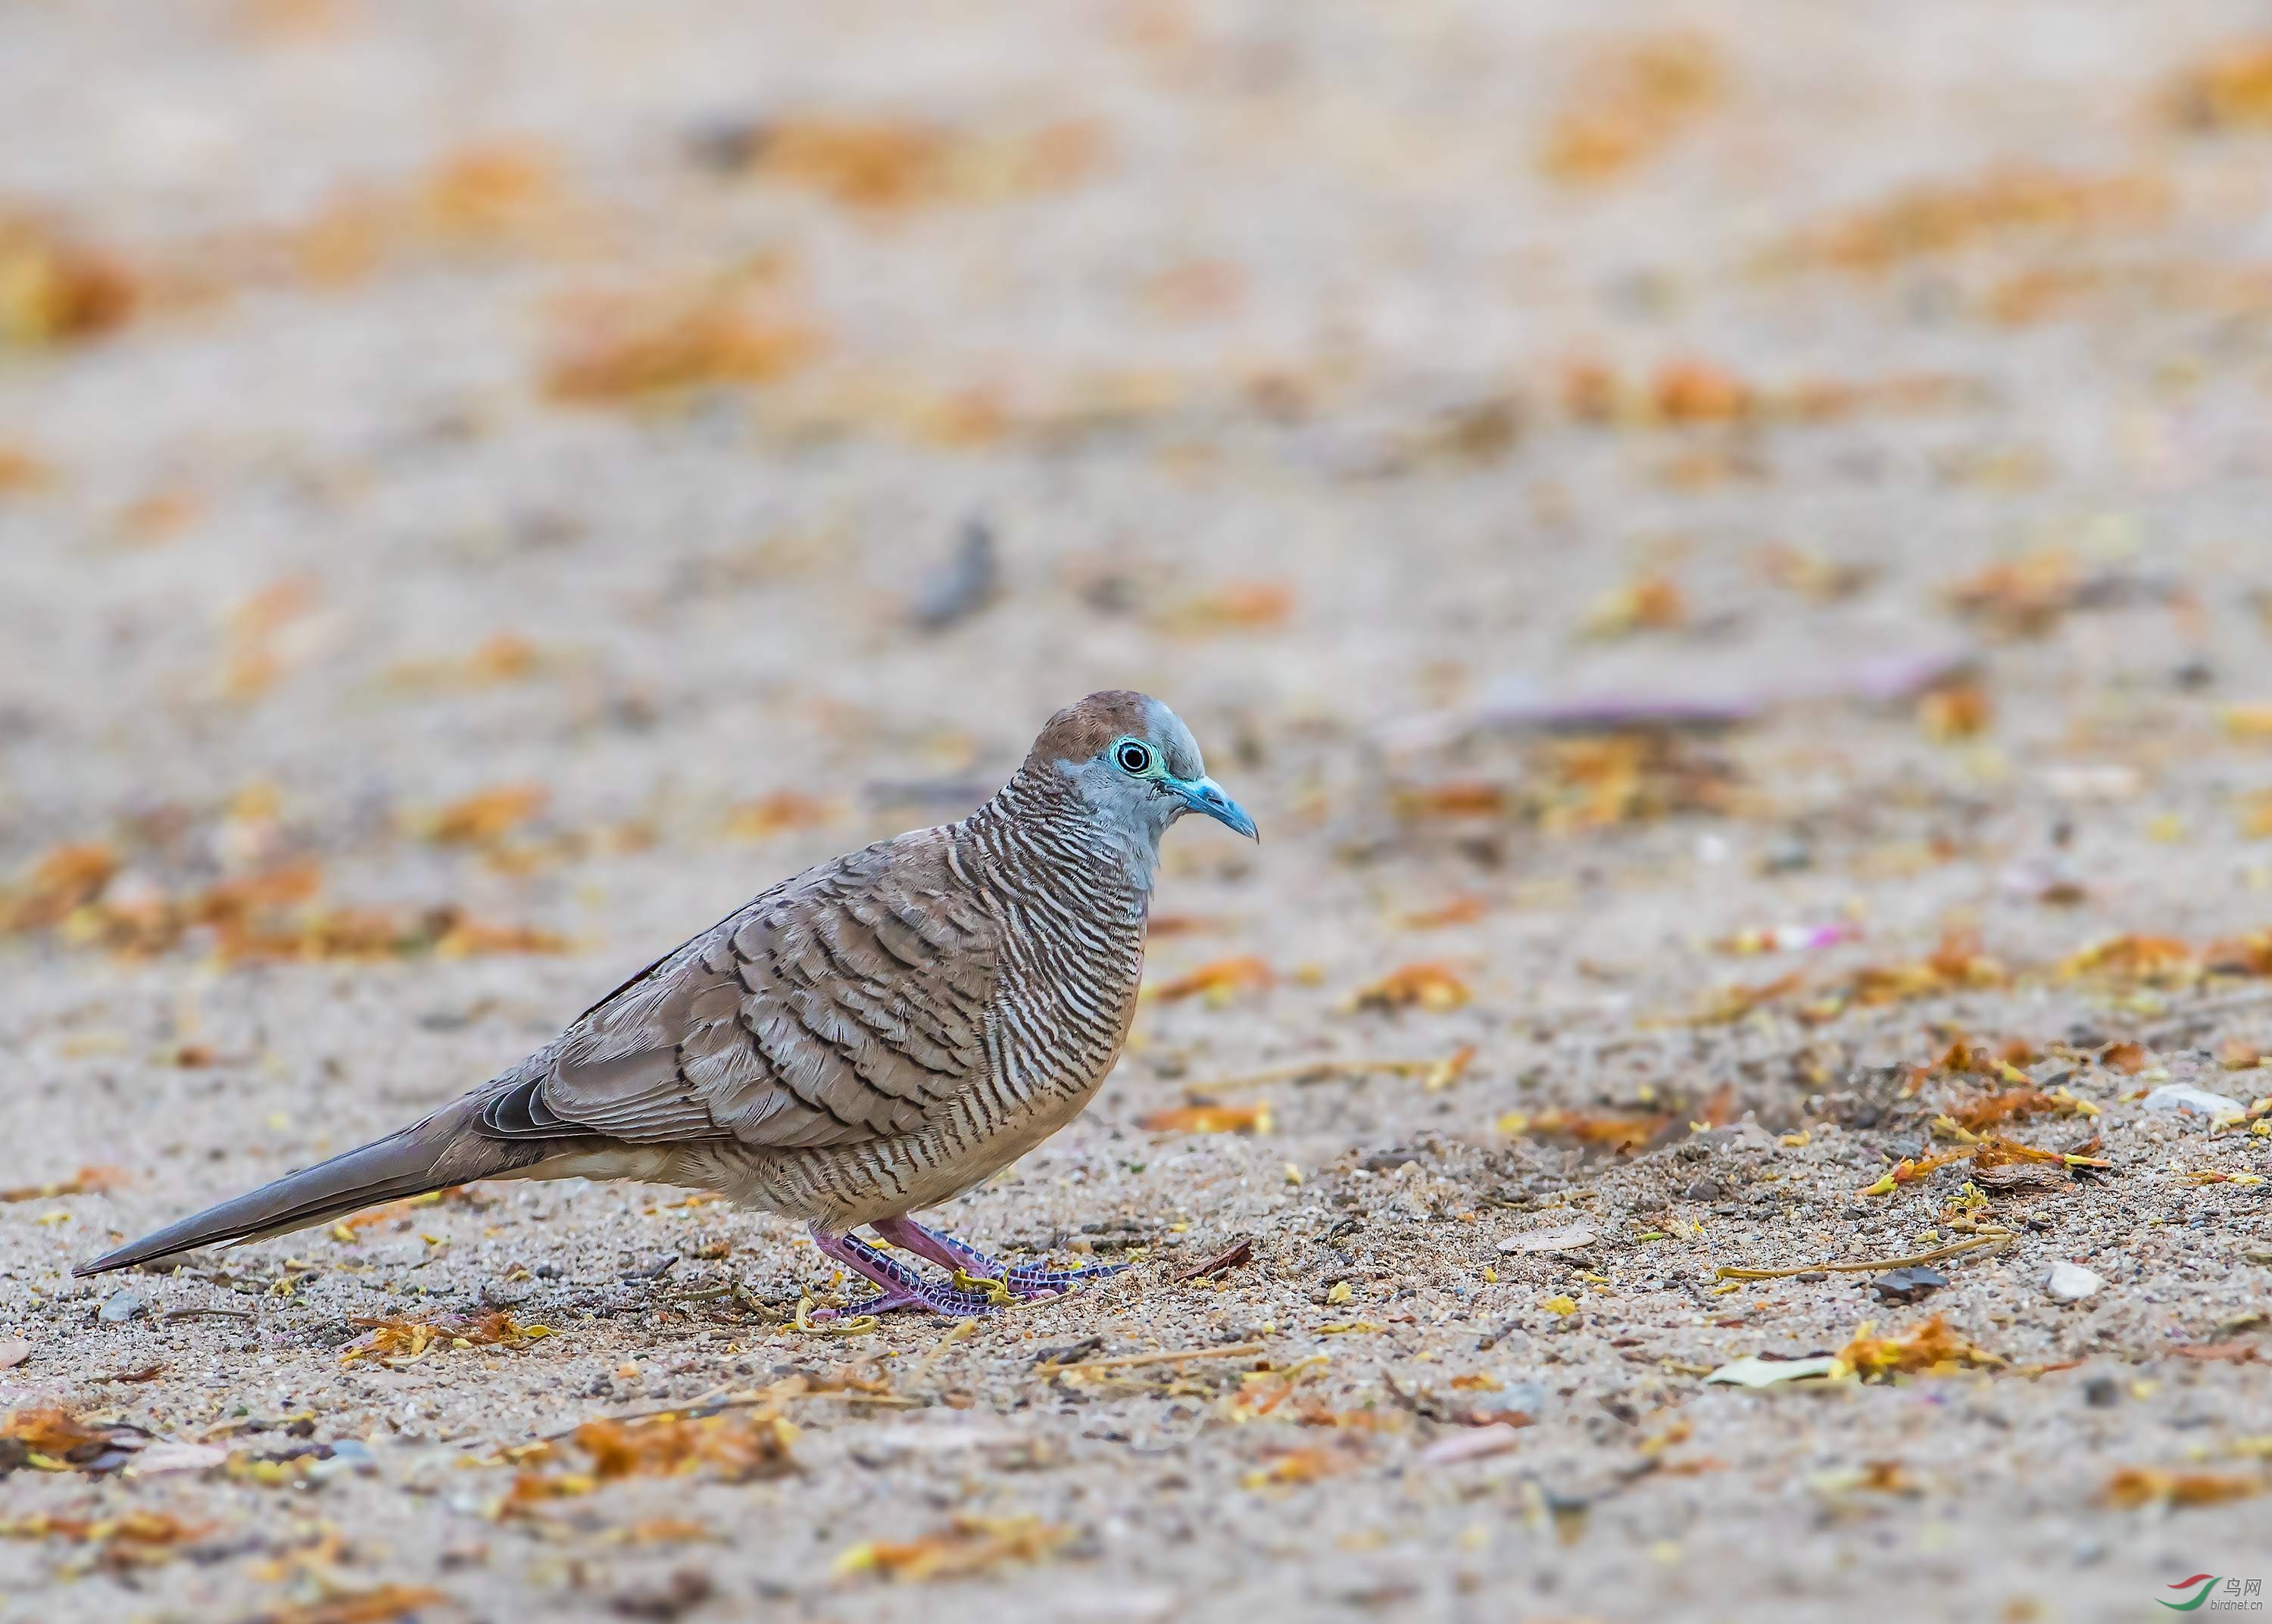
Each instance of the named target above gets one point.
<point>1134,768</point>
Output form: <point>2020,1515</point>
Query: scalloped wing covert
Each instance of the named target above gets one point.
<point>842,1005</point>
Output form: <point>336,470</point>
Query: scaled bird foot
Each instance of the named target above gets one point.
<point>902,1285</point>
<point>1024,1280</point>
<point>1039,1279</point>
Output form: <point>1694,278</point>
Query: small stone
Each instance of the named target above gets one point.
<point>1752,1371</point>
<point>14,1352</point>
<point>1908,1284</point>
<point>345,1455</point>
<point>962,585</point>
<point>1786,855</point>
<point>167,1455</point>
<point>2195,1101</point>
<point>1565,1238</point>
<point>2071,1283</point>
<point>121,1307</point>
<point>1703,1189</point>
<point>2102,1392</point>
<point>1524,1398</point>
<point>1475,1443</point>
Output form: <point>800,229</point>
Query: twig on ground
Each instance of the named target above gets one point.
<point>1130,1361</point>
<point>1320,1071</point>
<point>1239,1251</point>
<point>1871,1265</point>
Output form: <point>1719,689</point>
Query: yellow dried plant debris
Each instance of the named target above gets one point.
<point>2229,90</point>
<point>1933,1347</point>
<point>1630,103</point>
<point>884,163</point>
<point>1209,1119</point>
<point>967,1547</point>
<point>2128,1488</point>
<point>398,1340</point>
<point>1434,986</point>
<point>1944,217</point>
<point>268,914</point>
<point>133,1539</point>
<point>485,816</point>
<point>627,347</point>
<point>1218,980</point>
<point>57,289</point>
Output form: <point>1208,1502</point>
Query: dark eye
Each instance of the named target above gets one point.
<point>1132,757</point>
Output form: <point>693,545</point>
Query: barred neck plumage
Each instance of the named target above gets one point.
<point>1037,831</point>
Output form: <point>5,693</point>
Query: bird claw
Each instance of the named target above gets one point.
<point>993,1288</point>
<point>980,1284</point>
<point>1031,1280</point>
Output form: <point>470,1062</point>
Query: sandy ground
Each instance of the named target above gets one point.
<point>468,478</point>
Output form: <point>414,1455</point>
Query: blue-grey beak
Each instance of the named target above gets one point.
<point>1206,795</point>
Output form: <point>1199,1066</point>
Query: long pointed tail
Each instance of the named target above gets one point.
<point>434,1154</point>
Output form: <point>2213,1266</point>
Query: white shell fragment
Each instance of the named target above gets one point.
<point>1568,1238</point>
<point>1476,1443</point>
<point>2195,1101</point>
<point>1752,1371</point>
<point>2071,1283</point>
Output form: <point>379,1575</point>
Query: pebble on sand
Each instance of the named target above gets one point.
<point>2071,1283</point>
<point>2195,1101</point>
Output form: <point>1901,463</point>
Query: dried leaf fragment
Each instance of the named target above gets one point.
<point>86,1181</point>
<point>1219,980</point>
<point>1648,602</point>
<point>55,289</point>
<point>887,163</point>
<point>480,818</point>
<point>1955,710</point>
<point>503,657</point>
<point>134,1539</point>
<point>398,1340</point>
<point>2129,1487</point>
<point>1240,605</point>
<point>2154,960</point>
<point>627,349</point>
<point>1629,104</point>
<point>384,1603</point>
<point>774,814</point>
<point>66,879</point>
<point>1909,1169</point>
<point>1940,217</point>
<point>1932,1347</point>
<point>349,1227</point>
<point>1431,985</point>
<point>965,1548</point>
<point>2229,90</point>
<point>1612,1130</point>
<point>1210,1119</point>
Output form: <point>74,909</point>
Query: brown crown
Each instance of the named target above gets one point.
<point>1080,730</point>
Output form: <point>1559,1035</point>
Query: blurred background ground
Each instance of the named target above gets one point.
<point>1723,545</point>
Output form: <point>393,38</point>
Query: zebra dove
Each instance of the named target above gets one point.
<point>864,1040</point>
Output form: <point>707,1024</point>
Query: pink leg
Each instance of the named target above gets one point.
<point>1023,1279</point>
<point>902,1285</point>
<point>945,1250</point>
